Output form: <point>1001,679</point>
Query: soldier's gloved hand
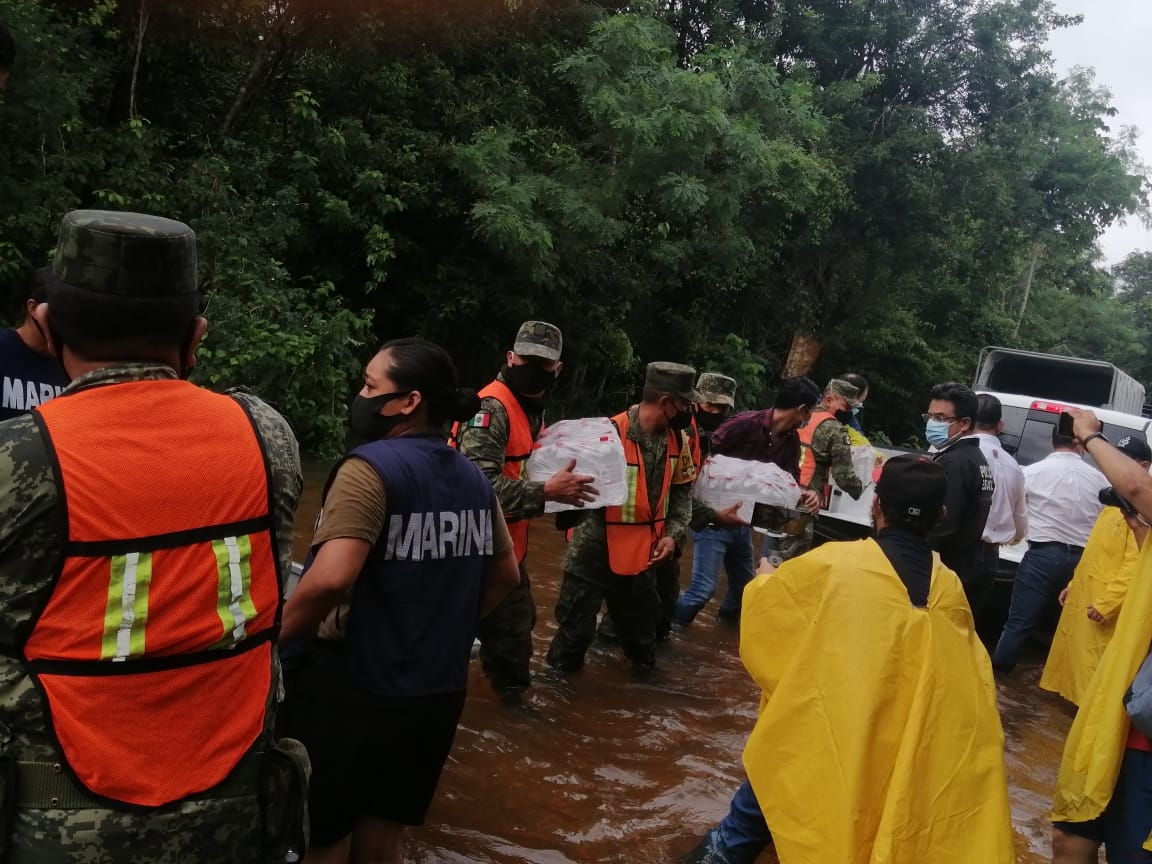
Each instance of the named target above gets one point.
<point>569,488</point>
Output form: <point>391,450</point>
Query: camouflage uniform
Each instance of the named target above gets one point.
<point>33,533</point>
<point>588,581</point>
<point>105,262</point>
<point>506,634</point>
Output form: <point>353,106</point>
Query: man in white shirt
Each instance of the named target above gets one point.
<point>1063,502</point>
<point>1008,517</point>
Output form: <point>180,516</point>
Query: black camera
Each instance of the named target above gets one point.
<point>780,520</point>
<point>1109,497</point>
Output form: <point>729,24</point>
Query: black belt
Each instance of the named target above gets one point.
<point>1046,544</point>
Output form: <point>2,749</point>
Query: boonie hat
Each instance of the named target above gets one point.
<point>674,378</point>
<point>717,389</point>
<point>1136,447</point>
<point>912,487</point>
<point>538,339</point>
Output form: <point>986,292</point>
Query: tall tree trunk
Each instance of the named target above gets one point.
<point>246,86</point>
<point>141,27</point>
<point>802,355</point>
<point>1037,246</point>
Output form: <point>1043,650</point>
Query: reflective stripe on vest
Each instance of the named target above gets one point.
<point>516,452</point>
<point>807,458</point>
<point>154,648</point>
<point>632,529</point>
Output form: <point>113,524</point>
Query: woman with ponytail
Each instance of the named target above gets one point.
<point>411,534</point>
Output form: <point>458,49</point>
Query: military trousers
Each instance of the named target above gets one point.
<point>506,639</point>
<point>632,602</point>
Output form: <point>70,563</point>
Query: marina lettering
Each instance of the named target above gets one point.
<point>25,395</point>
<point>438,536</point>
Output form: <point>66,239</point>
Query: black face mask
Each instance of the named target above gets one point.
<point>708,422</point>
<point>680,421</point>
<point>529,379</point>
<point>844,417</point>
<point>366,423</point>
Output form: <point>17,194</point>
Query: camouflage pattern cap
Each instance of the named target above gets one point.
<point>122,272</point>
<point>675,378</point>
<point>842,388</point>
<point>538,339</point>
<point>717,389</point>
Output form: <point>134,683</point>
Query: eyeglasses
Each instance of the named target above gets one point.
<point>939,418</point>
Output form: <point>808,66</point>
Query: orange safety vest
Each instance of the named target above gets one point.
<point>807,457</point>
<point>516,453</point>
<point>154,648</point>
<point>694,442</point>
<point>634,528</point>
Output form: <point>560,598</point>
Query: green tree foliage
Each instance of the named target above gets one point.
<point>693,180</point>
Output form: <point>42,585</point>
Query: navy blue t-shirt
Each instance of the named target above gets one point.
<point>27,379</point>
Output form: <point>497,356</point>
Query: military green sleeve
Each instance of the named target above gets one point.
<point>485,447</point>
<point>679,511</point>
<point>33,526</point>
<point>702,515</point>
<point>838,446</point>
<point>287,479</point>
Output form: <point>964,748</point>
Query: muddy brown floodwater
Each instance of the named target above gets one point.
<point>601,768</point>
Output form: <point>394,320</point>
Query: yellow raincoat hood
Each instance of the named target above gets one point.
<point>878,738</point>
<point>1095,746</point>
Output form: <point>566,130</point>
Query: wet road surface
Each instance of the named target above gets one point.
<point>601,768</point>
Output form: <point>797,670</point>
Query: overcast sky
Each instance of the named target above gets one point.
<point>1116,40</point>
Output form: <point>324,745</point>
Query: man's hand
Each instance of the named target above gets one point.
<point>664,549</point>
<point>1084,423</point>
<point>1063,596</point>
<point>810,501</point>
<point>729,517</point>
<point>566,487</point>
<point>765,567</point>
<point>1096,616</point>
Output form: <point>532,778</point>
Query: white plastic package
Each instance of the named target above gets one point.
<point>725,481</point>
<point>864,461</point>
<point>595,445</point>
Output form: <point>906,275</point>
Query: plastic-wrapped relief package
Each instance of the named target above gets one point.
<point>595,445</point>
<point>725,481</point>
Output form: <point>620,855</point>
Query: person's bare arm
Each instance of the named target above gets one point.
<point>333,573</point>
<point>1126,475</point>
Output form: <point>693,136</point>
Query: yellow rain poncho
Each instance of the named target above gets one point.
<point>878,738</point>
<point>1096,742</point>
<point>1101,581</point>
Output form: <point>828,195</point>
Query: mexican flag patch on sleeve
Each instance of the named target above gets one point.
<point>482,420</point>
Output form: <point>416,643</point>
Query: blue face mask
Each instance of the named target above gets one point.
<point>936,431</point>
<point>856,411</point>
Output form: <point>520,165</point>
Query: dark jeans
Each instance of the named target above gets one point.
<point>743,834</point>
<point>1043,573</point>
<point>980,589</point>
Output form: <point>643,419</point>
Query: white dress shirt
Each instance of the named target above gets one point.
<point>1008,519</point>
<point>1063,499</point>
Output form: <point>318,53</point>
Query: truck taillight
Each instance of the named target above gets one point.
<point>1050,407</point>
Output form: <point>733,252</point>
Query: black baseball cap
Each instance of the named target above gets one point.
<point>1136,447</point>
<point>912,488</point>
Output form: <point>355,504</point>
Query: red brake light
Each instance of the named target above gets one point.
<point>1050,407</point>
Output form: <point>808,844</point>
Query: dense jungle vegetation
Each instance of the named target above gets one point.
<point>745,185</point>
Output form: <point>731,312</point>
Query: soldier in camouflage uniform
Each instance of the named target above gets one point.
<point>827,452</point>
<point>122,284</point>
<point>589,580</point>
<point>498,441</point>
